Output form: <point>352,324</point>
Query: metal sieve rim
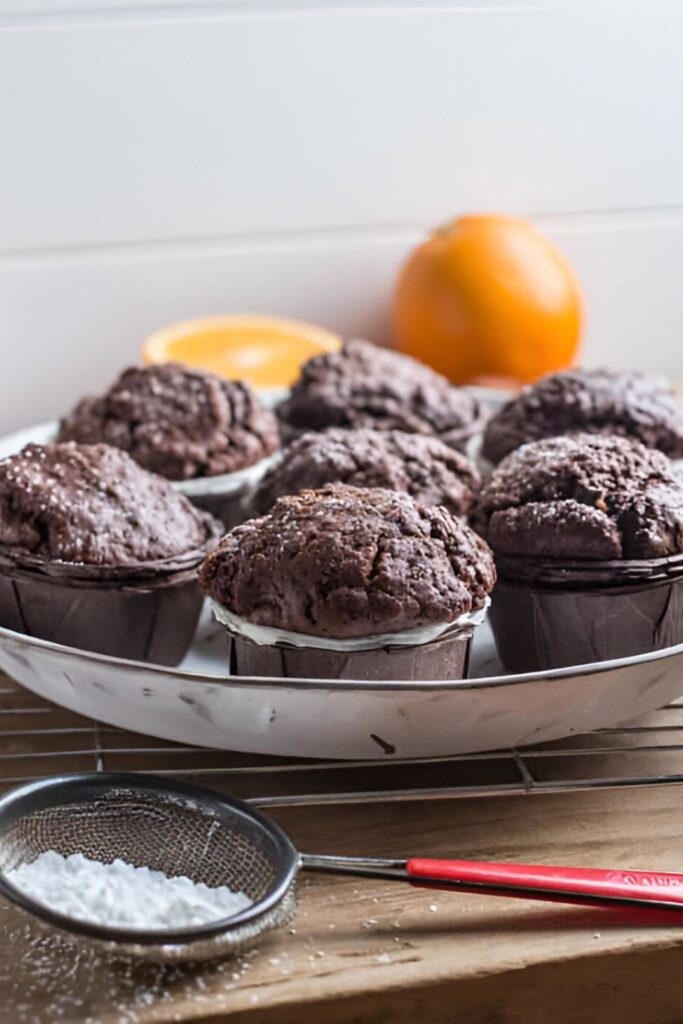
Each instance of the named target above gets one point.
<point>82,786</point>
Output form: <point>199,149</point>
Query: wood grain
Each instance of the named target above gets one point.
<point>369,952</point>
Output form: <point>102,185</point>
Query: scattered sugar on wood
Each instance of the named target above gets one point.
<point>51,977</point>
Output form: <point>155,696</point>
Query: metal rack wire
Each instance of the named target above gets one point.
<point>39,739</point>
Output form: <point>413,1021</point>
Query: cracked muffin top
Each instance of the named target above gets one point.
<point>422,466</point>
<point>363,385</point>
<point>583,496</point>
<point>345,562</point>
<point>637,405</point>
<point>93,505</point>
<point>177,422</point>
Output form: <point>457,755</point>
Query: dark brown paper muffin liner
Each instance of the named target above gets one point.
<point>561,572</point>
<point>146,612</point>
<point>547,614</point>
<point>446,657</point>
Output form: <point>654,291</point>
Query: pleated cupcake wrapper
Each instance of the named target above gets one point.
<point>81,572</point>
<point>538,627</point>
<point>146,612</point>
<point>581,573</point>
<point>427,653</point>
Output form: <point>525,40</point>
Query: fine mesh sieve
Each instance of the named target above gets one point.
<point>184,830</point>
<point>177,829</point>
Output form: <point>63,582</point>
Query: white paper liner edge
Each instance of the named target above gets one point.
<point>227,483</point>
<point>39,433</point>
<point>269,636</point>
<point>224,484</point>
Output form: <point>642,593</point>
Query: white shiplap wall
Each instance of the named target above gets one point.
<point>166,159</point>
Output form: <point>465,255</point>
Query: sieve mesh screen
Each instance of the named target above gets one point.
<point>166,826</point>
<point>149,829</point>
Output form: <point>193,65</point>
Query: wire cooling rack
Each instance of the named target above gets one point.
<point>38,739</point>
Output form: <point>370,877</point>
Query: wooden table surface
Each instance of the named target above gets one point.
<point>362,951</point>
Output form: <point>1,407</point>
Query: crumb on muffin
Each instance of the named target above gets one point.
<point>422,466</point>
<point>363,385</point>
<point>93,504</point>
<point>344,562</point>
<point>590,496</point>
<point>637,405</point>
<point>178,422</point>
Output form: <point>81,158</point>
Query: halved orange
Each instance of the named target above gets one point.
<point>266,351</point>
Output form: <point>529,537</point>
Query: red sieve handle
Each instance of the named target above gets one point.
<point>557,884</point>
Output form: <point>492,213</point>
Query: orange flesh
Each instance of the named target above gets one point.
<point>266,360</point>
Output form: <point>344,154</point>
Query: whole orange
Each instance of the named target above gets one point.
<point>488,298</point>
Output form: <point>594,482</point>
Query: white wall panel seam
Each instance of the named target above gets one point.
<point>44,15</point>
<point>67,327</point>
<point>232,127</point>
<point>297,241</point>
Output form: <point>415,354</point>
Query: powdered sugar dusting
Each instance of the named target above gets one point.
<point>51,978</point>
<point>121,895</point>
<point>92,504</point>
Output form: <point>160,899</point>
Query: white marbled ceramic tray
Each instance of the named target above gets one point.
<point>198,703</point>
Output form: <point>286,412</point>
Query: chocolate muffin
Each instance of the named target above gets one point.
<point>349,564</point>
<point>97,553</point>
<point>422,466</point>
<point>587,530</point>
<point>365,386</point>
<point>177,422</point>
<point>187,425</point>
<point>637,405</point>
<point>92,504</point>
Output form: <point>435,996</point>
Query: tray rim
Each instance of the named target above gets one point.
<point>404,685</point>
<point>421,685</point>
